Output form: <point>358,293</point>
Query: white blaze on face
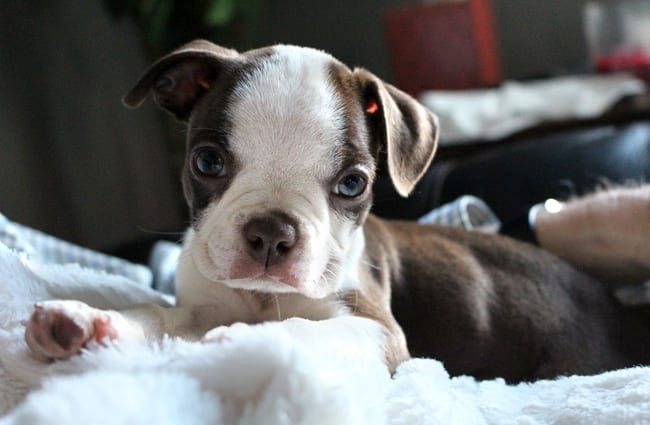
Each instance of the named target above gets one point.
<point>287,127</point>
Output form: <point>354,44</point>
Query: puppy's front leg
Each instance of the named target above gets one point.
<point>60,329</point>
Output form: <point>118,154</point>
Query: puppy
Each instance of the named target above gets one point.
<point>283,144</point>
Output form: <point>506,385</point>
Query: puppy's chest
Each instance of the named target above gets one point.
<point>239,305</point>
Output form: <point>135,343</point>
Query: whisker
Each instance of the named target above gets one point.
<point>371,265</point>
<point>178,236</point>
<point>277,306</point>
<point>220,132</point>
<point>331,269</point>
<point>340,249</point>
<point>206,129</point>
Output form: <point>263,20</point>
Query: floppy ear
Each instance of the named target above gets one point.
<point>405,129</point>
<point>179,79</point>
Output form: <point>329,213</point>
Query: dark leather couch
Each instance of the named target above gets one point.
<point>512,176</point>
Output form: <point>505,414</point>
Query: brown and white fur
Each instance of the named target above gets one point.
<point>283,144</point>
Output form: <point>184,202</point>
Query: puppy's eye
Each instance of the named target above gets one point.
<point>351,185</point>
<point>209,162</point>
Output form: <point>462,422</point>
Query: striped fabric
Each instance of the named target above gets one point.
<point>48,249</point>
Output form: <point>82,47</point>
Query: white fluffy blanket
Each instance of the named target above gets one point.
<point>263,375</point>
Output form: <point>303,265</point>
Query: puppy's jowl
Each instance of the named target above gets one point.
<point>283,144</point>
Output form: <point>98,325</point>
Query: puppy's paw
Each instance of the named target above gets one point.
<point>59,329</point>
<point>222,333</point>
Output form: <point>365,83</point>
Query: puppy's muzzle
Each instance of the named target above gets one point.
<point>270,238</point>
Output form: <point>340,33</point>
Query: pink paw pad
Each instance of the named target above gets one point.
<point>104,329</point>
<point>58,330</point>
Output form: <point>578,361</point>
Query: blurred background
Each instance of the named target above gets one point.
<point>78,165</point>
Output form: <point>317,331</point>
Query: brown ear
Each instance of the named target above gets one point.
<point>179,79</point>
<point>406,130</point>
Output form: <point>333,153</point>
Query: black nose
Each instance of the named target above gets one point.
<point>270,238</point>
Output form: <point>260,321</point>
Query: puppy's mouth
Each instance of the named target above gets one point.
<point>282,280</point>
<point>279,278</point>
<point>242,273</point>
<point>263,283</point>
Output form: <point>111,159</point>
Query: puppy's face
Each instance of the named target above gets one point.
<point>281,152</point>
<point>277,175</point>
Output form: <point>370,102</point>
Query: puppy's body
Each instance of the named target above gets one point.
<point>487,300</point>
<point>282,148</point>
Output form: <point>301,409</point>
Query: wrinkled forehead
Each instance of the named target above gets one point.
<point>291,106</point>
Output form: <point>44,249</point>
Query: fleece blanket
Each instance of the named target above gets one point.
<point>262,375</point>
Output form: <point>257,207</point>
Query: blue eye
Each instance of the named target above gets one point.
<point>209,162</point>
<point>351,185</point>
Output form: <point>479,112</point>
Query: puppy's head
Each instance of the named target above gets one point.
<point>282,147</point>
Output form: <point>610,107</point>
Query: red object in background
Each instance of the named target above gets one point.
<point>636,62</point>
<point>445,46</point>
